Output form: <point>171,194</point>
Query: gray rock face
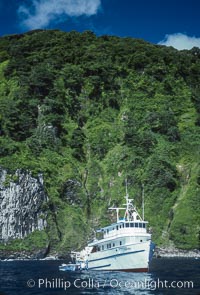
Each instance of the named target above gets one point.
<point>21,200</point>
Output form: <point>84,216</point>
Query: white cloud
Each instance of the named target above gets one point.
<point>180,41</point>
<point>42,12</point>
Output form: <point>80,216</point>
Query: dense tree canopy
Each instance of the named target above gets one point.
<point>89,112</point>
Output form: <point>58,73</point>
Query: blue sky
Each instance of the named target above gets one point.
<point>175,23</point>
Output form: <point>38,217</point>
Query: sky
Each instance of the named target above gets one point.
<point>169,22</point>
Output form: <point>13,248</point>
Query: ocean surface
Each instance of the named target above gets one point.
<point>171,276</point>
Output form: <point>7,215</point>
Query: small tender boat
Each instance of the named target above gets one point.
<point>70,267</point>
<point>77,266</point>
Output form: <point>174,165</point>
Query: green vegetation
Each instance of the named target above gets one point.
<point>36,240</point>
<point>89,112</point>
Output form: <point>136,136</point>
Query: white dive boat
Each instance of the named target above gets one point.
<point>126,245</point>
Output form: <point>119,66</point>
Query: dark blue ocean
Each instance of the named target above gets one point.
<point>166,276</point>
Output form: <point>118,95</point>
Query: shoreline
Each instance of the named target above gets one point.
<point>160,252</point>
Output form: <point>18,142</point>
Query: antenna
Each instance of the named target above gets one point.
<point>143,201</point>
<point>126,188</point>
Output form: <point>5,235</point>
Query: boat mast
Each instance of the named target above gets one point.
<point>131,213</point>
<point>142,201</point>
<point>126,189</point>
<point>127,201</point>
<point>129,205</point>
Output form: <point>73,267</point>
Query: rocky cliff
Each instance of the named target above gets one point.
<point>21,200</point>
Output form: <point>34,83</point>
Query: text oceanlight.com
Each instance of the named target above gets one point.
<point>91,283</point>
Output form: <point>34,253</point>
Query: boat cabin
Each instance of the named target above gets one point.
<point>124,228</point>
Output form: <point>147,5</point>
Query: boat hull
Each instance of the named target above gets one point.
<point>129,258</point>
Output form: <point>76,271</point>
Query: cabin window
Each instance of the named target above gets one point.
<point>98,249</point>
<point>141,241</point>
<point>117,227</point>
<point>132,224</point>
<point>136,224</point>
<point>127,224</point>
<point>108,246</point>
<point>102,247</point>
<point>140,224</point>
<point>144,225</point>
<point>120,243</point>
<point>113,245</point>
<point>107,231</point>
<point>120,226</point>
<point>123,225</point>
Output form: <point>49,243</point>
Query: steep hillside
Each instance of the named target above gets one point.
<point>88,112</point>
